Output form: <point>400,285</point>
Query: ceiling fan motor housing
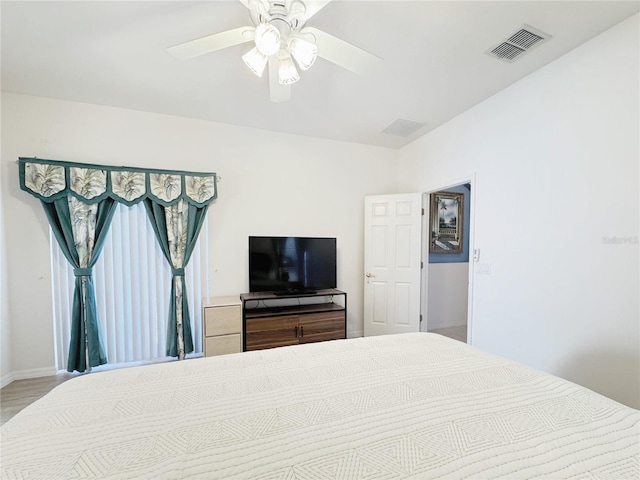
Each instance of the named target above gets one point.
<point>283,27</point>
<point>286,18</point>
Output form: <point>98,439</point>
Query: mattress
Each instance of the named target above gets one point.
<point>398,406</point>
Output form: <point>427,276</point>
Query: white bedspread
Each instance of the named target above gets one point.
<point>401,406</point>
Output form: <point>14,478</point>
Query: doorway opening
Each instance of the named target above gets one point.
<point>447,250</point>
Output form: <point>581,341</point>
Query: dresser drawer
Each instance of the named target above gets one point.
<point>222,345</point>
<point>222,320</point>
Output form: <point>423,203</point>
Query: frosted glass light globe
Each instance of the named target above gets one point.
<point>304,52</point>
<point>267,39</point>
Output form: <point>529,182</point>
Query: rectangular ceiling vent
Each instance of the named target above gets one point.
<point>518,44</point>
<point>403,128</point>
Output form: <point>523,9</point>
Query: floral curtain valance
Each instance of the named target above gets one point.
<point>49,180</point>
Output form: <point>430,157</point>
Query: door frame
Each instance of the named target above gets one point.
<point>436,187</point>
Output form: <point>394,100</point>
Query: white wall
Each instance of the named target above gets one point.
<point>448,289</point>
<point>556,163</point>
<point>5,325</point>
<point>272,184</point>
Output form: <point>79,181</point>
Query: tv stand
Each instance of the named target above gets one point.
<point>268,323</point>
<point>294,293</point>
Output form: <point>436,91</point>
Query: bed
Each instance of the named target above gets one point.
<point>398,406</point>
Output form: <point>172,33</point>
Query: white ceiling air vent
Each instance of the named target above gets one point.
<point>403,128</point>
<point>518,44</point>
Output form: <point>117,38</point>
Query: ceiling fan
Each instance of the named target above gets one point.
<point>281,36</point>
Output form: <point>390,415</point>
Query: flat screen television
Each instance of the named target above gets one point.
<point>291,264</point>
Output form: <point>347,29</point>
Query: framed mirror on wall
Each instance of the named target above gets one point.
<point>446,214</point>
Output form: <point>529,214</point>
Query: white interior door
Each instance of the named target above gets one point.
<point>392,258</point>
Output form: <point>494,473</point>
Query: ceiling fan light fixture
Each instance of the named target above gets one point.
<point>303,51</point>
<point>283,43</point>
<point>255,61</point>
<point>287,73</point>
<point>267,39</point>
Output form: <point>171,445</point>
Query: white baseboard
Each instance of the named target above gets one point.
<point>6,379</point>
<point>23,374</point>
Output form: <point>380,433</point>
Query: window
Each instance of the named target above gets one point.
<point>133,282</point>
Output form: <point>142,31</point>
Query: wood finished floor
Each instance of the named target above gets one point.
<point>20,393</point>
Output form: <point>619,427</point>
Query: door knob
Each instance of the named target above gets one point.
<point>369,275</point>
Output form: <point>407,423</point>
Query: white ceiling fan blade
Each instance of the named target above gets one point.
<point>343,53</point>
<point>277,91</point>
<point>211,43</point>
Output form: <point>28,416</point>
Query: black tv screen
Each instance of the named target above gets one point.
<point>291,264</point>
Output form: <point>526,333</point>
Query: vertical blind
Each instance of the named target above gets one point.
<point>132,281</point>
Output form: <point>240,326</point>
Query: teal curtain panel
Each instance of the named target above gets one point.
<point>176,228</point>
<point>80,230</point>
<point>79,201</point>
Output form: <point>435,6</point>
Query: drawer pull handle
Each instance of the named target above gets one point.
<point>302,331</point>
<point>295,329</point>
